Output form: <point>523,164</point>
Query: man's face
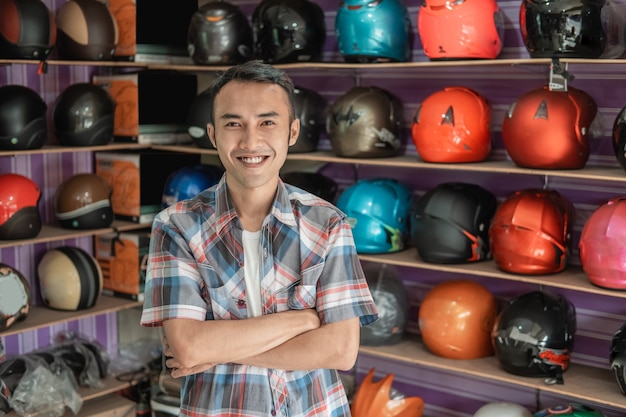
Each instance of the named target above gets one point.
<point>252,133</point>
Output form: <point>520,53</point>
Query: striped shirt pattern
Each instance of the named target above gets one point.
<point>307,260</point>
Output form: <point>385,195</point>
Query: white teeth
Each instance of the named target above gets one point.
<point>255,160</point>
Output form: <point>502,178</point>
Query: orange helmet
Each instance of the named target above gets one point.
<point>530,232</point>
<point>456,318</point>
<point>549,129</point>
<point>374,399</point>
<point>460,29</point>
<point>452,125</point>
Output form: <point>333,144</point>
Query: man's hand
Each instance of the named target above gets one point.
<point>176,371</point>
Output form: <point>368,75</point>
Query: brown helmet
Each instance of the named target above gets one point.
<point>375,399</point>
<point>86,30</point>
<point>14,296</point>
<point>365,122</point>
<point>84,202</point>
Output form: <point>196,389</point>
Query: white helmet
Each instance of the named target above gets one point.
<point>502,409</point>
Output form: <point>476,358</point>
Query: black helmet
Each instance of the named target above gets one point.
<point>219,34</point>
<point>198,117</point>
<point>313,182</point>
<point>84,202</point>
<point>572,29</point>
<point>619,137</point>
<point>27,29</point>
<point>617,357</point>
<point>392,302</point>
<point>287,31</point>
<point>534,335</point>
<point>311,110</point>
<point>365,122</point>
<point>22,118</point>
<point>86,30</point>
<point>450,223</point>
<point>84,116</point>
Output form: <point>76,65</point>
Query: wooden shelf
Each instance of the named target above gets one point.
<point>53,233</point>
<point>581,383</point>
<point>50,149</point>
<point>572,278</point>
<point>41,316</point>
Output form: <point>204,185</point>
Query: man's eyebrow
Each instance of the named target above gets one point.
<point>228,116</point>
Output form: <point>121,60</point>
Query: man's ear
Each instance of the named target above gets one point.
<point>294,131</point>
<point>210,131</point>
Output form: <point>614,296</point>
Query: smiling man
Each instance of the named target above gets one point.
<point>256,283</point>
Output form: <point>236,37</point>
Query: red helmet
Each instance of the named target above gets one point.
<point>530,232</point>
<point>456,318</point>
<point>375,399</point>
<point>19,207</point>
<point>460,29</point>
<point>549,129</point>
<point>452,125</point>
<point>601,244</point>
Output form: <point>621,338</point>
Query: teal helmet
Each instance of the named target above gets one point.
<point>373,31</point>
<point>378,210</point>
<point>573,410</point>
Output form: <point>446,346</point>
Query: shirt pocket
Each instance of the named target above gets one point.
<point>224,300</point>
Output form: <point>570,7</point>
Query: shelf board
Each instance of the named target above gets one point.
<point>572,278</point>
<point>54,233</point>
<point>581,383</point>
<point>41,316</point>
<point>52,149</point>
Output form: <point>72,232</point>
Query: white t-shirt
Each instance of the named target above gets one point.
<point>251,261</point>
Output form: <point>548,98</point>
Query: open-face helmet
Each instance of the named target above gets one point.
<point>84,116</point>
<point>365,122</point>
<point>378,211</point>
<point>534,335</point>
<point>84,202</point>
<point>286,31</point>
<point>548,129</point>
<point>198,118</point>
<point>219,34</point>
<point>23,122</point>
<point>502,409</point>
<point>617,357</point>
<point>19,207</point>
<point>313,182</point>
<point>531,231</point>
<point>380,399</point>
<point>572,28</point>
<point>373,31</point>
<point>466,29</point>
<point>27,29</point>
<point>86,30</point>
<point>310,108</point>
<point>456,318</point>
<point>619,137</point>
<point>69,278</point>
<point>452,125</point>
<point>601,244</point>
<point>187,182</point>
<point>450,223</point>
<point>14,296</point>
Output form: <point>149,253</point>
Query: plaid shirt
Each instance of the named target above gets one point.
<point>308,260</point>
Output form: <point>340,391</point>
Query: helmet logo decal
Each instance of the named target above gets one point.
<point>350,117</point>
<point>542,111</point>
<point>559,357</point>
<point>448,117</point>
<point>385,136</point>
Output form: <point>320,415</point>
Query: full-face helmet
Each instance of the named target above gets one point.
<point>311,110</point>
<point>450,223</point>
<point>22,118</point>
<point>534,335</point>
<point>219,34</point>
<point>19,207</point>
<point>86,30</point>
<point>286,31</point>
<point>531,231</point>
<point>456,318</point>
<point>27,29</point>
<point>378,210</point>
<point>187,182</point>
<point>617,357</point>
<point>452,125</point>
<point>602,252</point>
<point>373,31</point>
<point>84,202</point>
<point>365,122</point>
<point>376,399</point>
<point>466,29</point>
<point>84,116</point>
<point>549,129</point>
<point>572,28</point>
